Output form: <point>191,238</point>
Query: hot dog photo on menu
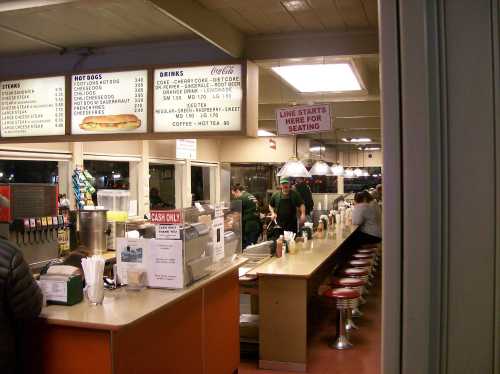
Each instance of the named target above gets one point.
<point>121,122</point>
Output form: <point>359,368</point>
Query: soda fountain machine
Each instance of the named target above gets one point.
<point>29,217</point>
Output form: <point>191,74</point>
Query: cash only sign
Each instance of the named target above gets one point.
<point>304,119</point>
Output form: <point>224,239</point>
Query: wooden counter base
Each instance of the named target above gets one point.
<point>197,334</point>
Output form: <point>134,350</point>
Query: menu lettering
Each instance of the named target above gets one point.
<point>32,107</point>
<point>109,102</point>
<point>202,98</point>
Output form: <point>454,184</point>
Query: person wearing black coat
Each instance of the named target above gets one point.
<point>20,302</point>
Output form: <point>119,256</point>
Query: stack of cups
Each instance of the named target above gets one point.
<point>93,269</point>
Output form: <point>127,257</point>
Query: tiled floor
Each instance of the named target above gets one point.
<point>364,358</point>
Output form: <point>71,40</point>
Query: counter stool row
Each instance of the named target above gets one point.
<point>348,292</point>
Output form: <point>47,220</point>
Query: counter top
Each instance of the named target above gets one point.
<point>307,260</point>
<point>122,307</point>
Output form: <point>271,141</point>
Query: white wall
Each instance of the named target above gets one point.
<point>38,147</point>
<point>113,148</point>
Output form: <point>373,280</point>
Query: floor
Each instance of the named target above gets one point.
<point>364,358</point>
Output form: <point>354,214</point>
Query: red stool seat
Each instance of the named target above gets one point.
<point>355,272</point>
<point>342,293</point>
<point>362,256</point>
<point>367,250</point>
<point>359,263</point>
<point>348,282</point>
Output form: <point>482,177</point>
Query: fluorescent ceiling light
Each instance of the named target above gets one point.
<point>320,77</point>
<point>295,5</point>
<point>376,148</point>
<point>265,133</point>
<point>356,140</point>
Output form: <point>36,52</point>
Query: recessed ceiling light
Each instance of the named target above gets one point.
<point>356,140</point>
<point>265,133</point>
<point>295,5</point>
<point>320,77</point>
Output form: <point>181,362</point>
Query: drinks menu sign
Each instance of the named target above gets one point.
<point>198,99</point>
<point>32,107</point>
<point>109,102</point>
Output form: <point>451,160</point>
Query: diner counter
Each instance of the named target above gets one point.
<point>308,259</point>
<point>122,307</point>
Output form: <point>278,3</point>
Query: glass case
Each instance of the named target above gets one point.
<point>188,245</point>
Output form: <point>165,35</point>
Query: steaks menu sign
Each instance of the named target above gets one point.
<point>32,107</point>
<point>109,102</point>
<point>201,98</point>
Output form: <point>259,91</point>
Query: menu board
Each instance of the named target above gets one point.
<point>202,98</point>
<point>109,102</point>
<point>32,107</point>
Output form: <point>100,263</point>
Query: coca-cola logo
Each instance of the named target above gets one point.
<point>222,70</point>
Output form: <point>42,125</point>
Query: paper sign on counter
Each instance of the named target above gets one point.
<point>168,231</point>
<point>130,253</point>
<point>55,290</point>
<point>218,238</point>
<point>165,268</point>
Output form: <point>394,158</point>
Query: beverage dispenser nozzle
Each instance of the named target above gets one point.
<point>27,229</point>
<point>55,226</point>
<point>32,230</point>
<point>38,229</point>
<point>18,227</point>
<point>45,228</point>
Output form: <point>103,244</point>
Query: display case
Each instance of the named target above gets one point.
<point>189,245</point>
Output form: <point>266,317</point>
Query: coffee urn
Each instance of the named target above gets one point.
<point>93,230</point>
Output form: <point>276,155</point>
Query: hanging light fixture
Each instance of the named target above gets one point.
<point>358,172</point>
<point>338,170</point>
<point>320,167</point>
<point>294,167</point>
<point>349,173</point>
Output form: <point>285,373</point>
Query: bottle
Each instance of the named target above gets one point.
<point>279,246</point>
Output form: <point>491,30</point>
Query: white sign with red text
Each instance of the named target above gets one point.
<point>198,98</point>
<point>167,217</point>
<point>303,119</point>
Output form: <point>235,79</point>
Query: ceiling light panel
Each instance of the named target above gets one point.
<point>320,77</point>
<point>295,5</point>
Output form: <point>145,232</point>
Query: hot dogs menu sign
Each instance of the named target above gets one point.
<point>32,107</point>
<point>109,102</point>
<point>202,98</point>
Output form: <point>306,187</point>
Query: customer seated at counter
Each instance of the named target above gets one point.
<point>20,303</point>
<point>285,205</point>
<point>366,214</point>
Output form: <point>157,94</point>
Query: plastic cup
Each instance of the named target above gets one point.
<point>95,293</point>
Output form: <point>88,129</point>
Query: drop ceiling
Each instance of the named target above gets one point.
<point>310,26</point>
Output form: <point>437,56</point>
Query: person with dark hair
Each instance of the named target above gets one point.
<point>305,192</point>
<point>367,216</point>
<point>285,205</point>
<point>155,201</point>
<point>20,302</point>
<point>249,215</point>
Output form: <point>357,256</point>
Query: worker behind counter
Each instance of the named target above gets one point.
<point>286,205</point>
<point>250,216</point>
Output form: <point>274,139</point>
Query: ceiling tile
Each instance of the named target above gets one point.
<point>328,13</point>
<point>353,13</point>
<point>237,20</point>
<point>308,20</point>
<point>12,43</point>
<point>371,11</point>
<point>215,4</point>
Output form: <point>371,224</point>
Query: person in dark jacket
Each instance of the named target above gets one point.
<point>250,216</point>
<point>20,302</point>
<point>305,193</point>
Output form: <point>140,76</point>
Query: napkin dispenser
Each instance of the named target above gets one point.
<point>62,285</point>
